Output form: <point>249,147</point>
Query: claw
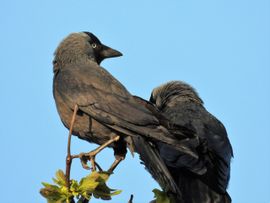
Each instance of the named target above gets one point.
<point>90,156</point>
<point>84,159</point>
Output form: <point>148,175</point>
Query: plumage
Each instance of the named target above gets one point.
<point>185,148</point>
<point>206,179</point>
<point>106,108</point>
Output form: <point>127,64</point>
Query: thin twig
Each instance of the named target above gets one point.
<point>131,198</point>
<point>69,158</point>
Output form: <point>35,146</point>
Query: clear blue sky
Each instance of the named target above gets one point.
<point>220,47</point>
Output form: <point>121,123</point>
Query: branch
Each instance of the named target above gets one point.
<point>69,158</point>
<point>131,198</point>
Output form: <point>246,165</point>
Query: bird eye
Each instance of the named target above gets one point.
<point>94,45</point>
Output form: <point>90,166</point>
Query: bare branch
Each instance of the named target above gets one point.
<point>131,198</point>
<point>69,158</point>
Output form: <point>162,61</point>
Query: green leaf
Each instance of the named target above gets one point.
<point>103,176</point>
<point>103,191</point>
<point>57,193</point>
<point>161,197</point>
<point>60,178</point>
<point>105,195</point>
<point>52,193</point>
<point>92,185</point>
<point>52,187</point>
<point>116,192</point>
<point>88,184</point>
<point>95,184</point>
<point>74,188</point>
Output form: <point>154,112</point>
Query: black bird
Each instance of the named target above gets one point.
<point>106,110</point>
<point>199,180</point>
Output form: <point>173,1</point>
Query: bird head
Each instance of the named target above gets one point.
<point>171,93</point>
<point>100,51</point>
<point>83,46</point>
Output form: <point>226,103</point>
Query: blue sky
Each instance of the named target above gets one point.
<point>220,47</point>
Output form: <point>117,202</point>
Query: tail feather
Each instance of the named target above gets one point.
<point>156,167</point>
<point>196,191</point>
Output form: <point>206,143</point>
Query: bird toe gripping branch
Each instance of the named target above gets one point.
<point>89,156</point>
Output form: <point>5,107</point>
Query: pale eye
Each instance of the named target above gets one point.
<point>94,45</point>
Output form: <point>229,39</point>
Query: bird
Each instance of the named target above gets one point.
<point>200,180</point>
<point>105,112</point>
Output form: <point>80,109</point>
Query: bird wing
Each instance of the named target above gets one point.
<point>94,87</point>
<point>102,97</point>
<point>209,129</point>
<point>219,147</point>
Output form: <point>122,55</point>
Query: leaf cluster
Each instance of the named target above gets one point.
<point>161,196</point>
<point>93,184</point>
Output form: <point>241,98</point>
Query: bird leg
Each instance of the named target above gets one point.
<point>91,155</point>
<point>115,163</point>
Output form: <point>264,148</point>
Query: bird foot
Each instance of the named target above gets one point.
<point>85,157</point>
<point>90,156</point>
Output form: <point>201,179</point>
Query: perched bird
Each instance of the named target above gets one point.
<point>106,110</point>
<point>199,180</point>
<point>189,155</point>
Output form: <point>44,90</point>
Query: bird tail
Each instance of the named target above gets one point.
<point>156,167</point>
<point>196,191</point>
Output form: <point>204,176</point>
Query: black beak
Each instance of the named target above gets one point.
<point>108,52</point>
